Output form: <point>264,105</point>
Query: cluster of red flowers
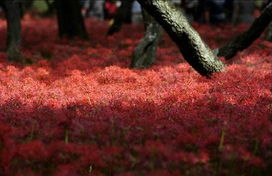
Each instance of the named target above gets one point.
<point>79,110</point>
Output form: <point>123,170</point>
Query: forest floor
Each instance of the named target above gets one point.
<point>79,110</point>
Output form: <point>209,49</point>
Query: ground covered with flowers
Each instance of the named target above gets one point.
<point>78,109</point>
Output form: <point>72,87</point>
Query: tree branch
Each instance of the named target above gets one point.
<point>245,39</point>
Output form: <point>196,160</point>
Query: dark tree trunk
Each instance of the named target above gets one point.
<point>124,12</point>
<point>145,52</point>
<point>245,39</point>
<point>269,33</point>
<point>194,50</point>
<point>13,16</point>
<point>70,20</point>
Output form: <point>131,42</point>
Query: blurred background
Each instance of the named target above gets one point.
<point>213,12</point>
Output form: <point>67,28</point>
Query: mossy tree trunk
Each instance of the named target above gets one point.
<point>145,52</point>
<point>245,39</point>
<point>192,47</point>
<point>70,20</point>
<point>13,15</point>
<point>123,12</point>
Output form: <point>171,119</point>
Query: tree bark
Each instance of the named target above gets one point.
<point>13,16</point>
<point>124,11</point>
<point>70,20</point>
<point>192,47</point>
<point>145,52</point>
<point>245,39</point>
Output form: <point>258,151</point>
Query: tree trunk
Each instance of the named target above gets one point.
<point>13,16</point>
<point>70,20</point>
<point>269,33</point>
<point>124,11</point>
<point>145,52</point>
<point>245,39</point>
<point>194,50</point>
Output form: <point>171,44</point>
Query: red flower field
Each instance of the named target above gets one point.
<point>79,110</point>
